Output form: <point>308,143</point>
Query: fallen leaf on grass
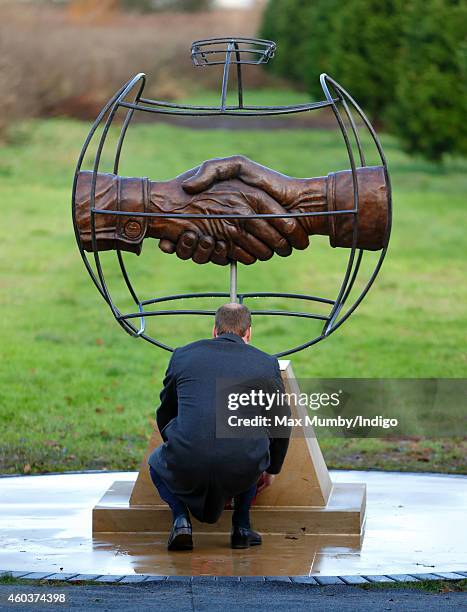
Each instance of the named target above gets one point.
<point>51,443</point>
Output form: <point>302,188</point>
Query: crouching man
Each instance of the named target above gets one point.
<point>196,471</point>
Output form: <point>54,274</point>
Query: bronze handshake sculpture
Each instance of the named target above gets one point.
<point>233,185</point>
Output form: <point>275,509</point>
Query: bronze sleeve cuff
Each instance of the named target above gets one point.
<point>113,193</point>
<point>373,211</point>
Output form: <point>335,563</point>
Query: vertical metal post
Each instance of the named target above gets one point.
<point>233,282</point>
<point>225,77</point>
<point>239,76</point>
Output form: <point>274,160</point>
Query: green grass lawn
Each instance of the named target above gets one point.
<point>77,393</point>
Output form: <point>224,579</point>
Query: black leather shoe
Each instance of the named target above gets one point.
<point>244,538</point>
<point>180,536</point>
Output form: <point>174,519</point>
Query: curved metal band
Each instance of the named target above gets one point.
<point>334,95</point>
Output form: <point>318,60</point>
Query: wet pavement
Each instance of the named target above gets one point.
<point>415,524</point>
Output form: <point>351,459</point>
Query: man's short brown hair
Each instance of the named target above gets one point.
<point>233,318</point>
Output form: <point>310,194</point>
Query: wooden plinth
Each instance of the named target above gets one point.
<point>302,498</point>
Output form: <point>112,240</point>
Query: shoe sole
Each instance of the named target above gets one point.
<point>239,546</point>
<point>183,541</point>
<point>243,546</point>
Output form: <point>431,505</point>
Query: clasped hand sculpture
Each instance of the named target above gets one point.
<point>233,185</point>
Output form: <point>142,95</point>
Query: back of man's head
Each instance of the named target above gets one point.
<point>234,319</point>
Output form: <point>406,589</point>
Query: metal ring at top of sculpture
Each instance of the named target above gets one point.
<point>232,209</point>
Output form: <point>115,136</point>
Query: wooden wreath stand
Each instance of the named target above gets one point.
<point>302,499</point>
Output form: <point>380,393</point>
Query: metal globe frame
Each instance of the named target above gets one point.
<point>228,52</point>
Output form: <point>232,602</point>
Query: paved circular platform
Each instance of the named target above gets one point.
<point>415,525</point>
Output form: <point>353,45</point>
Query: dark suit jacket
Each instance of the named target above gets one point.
<point>202,469</point>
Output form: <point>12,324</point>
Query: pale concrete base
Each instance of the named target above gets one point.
<point>343,515</point>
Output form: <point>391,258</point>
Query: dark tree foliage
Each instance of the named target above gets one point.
<point>350,40</point>
<point>367,41</point>
<point>294,25</point>
<point>429,112</point>
<point>279,24</point>
<point>321,47</point>
<point>404,61</point>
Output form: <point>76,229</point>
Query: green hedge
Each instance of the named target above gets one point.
<point>403,60</point>
<point>431,94</point>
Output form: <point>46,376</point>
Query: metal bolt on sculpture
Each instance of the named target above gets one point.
<point>232,210</point>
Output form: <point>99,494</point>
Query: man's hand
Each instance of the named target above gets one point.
<point>265,481</point>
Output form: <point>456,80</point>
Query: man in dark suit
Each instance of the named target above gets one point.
<point>195,470</point>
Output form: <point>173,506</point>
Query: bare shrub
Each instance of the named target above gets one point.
<point>57,61</point>
<point>9,87</point>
